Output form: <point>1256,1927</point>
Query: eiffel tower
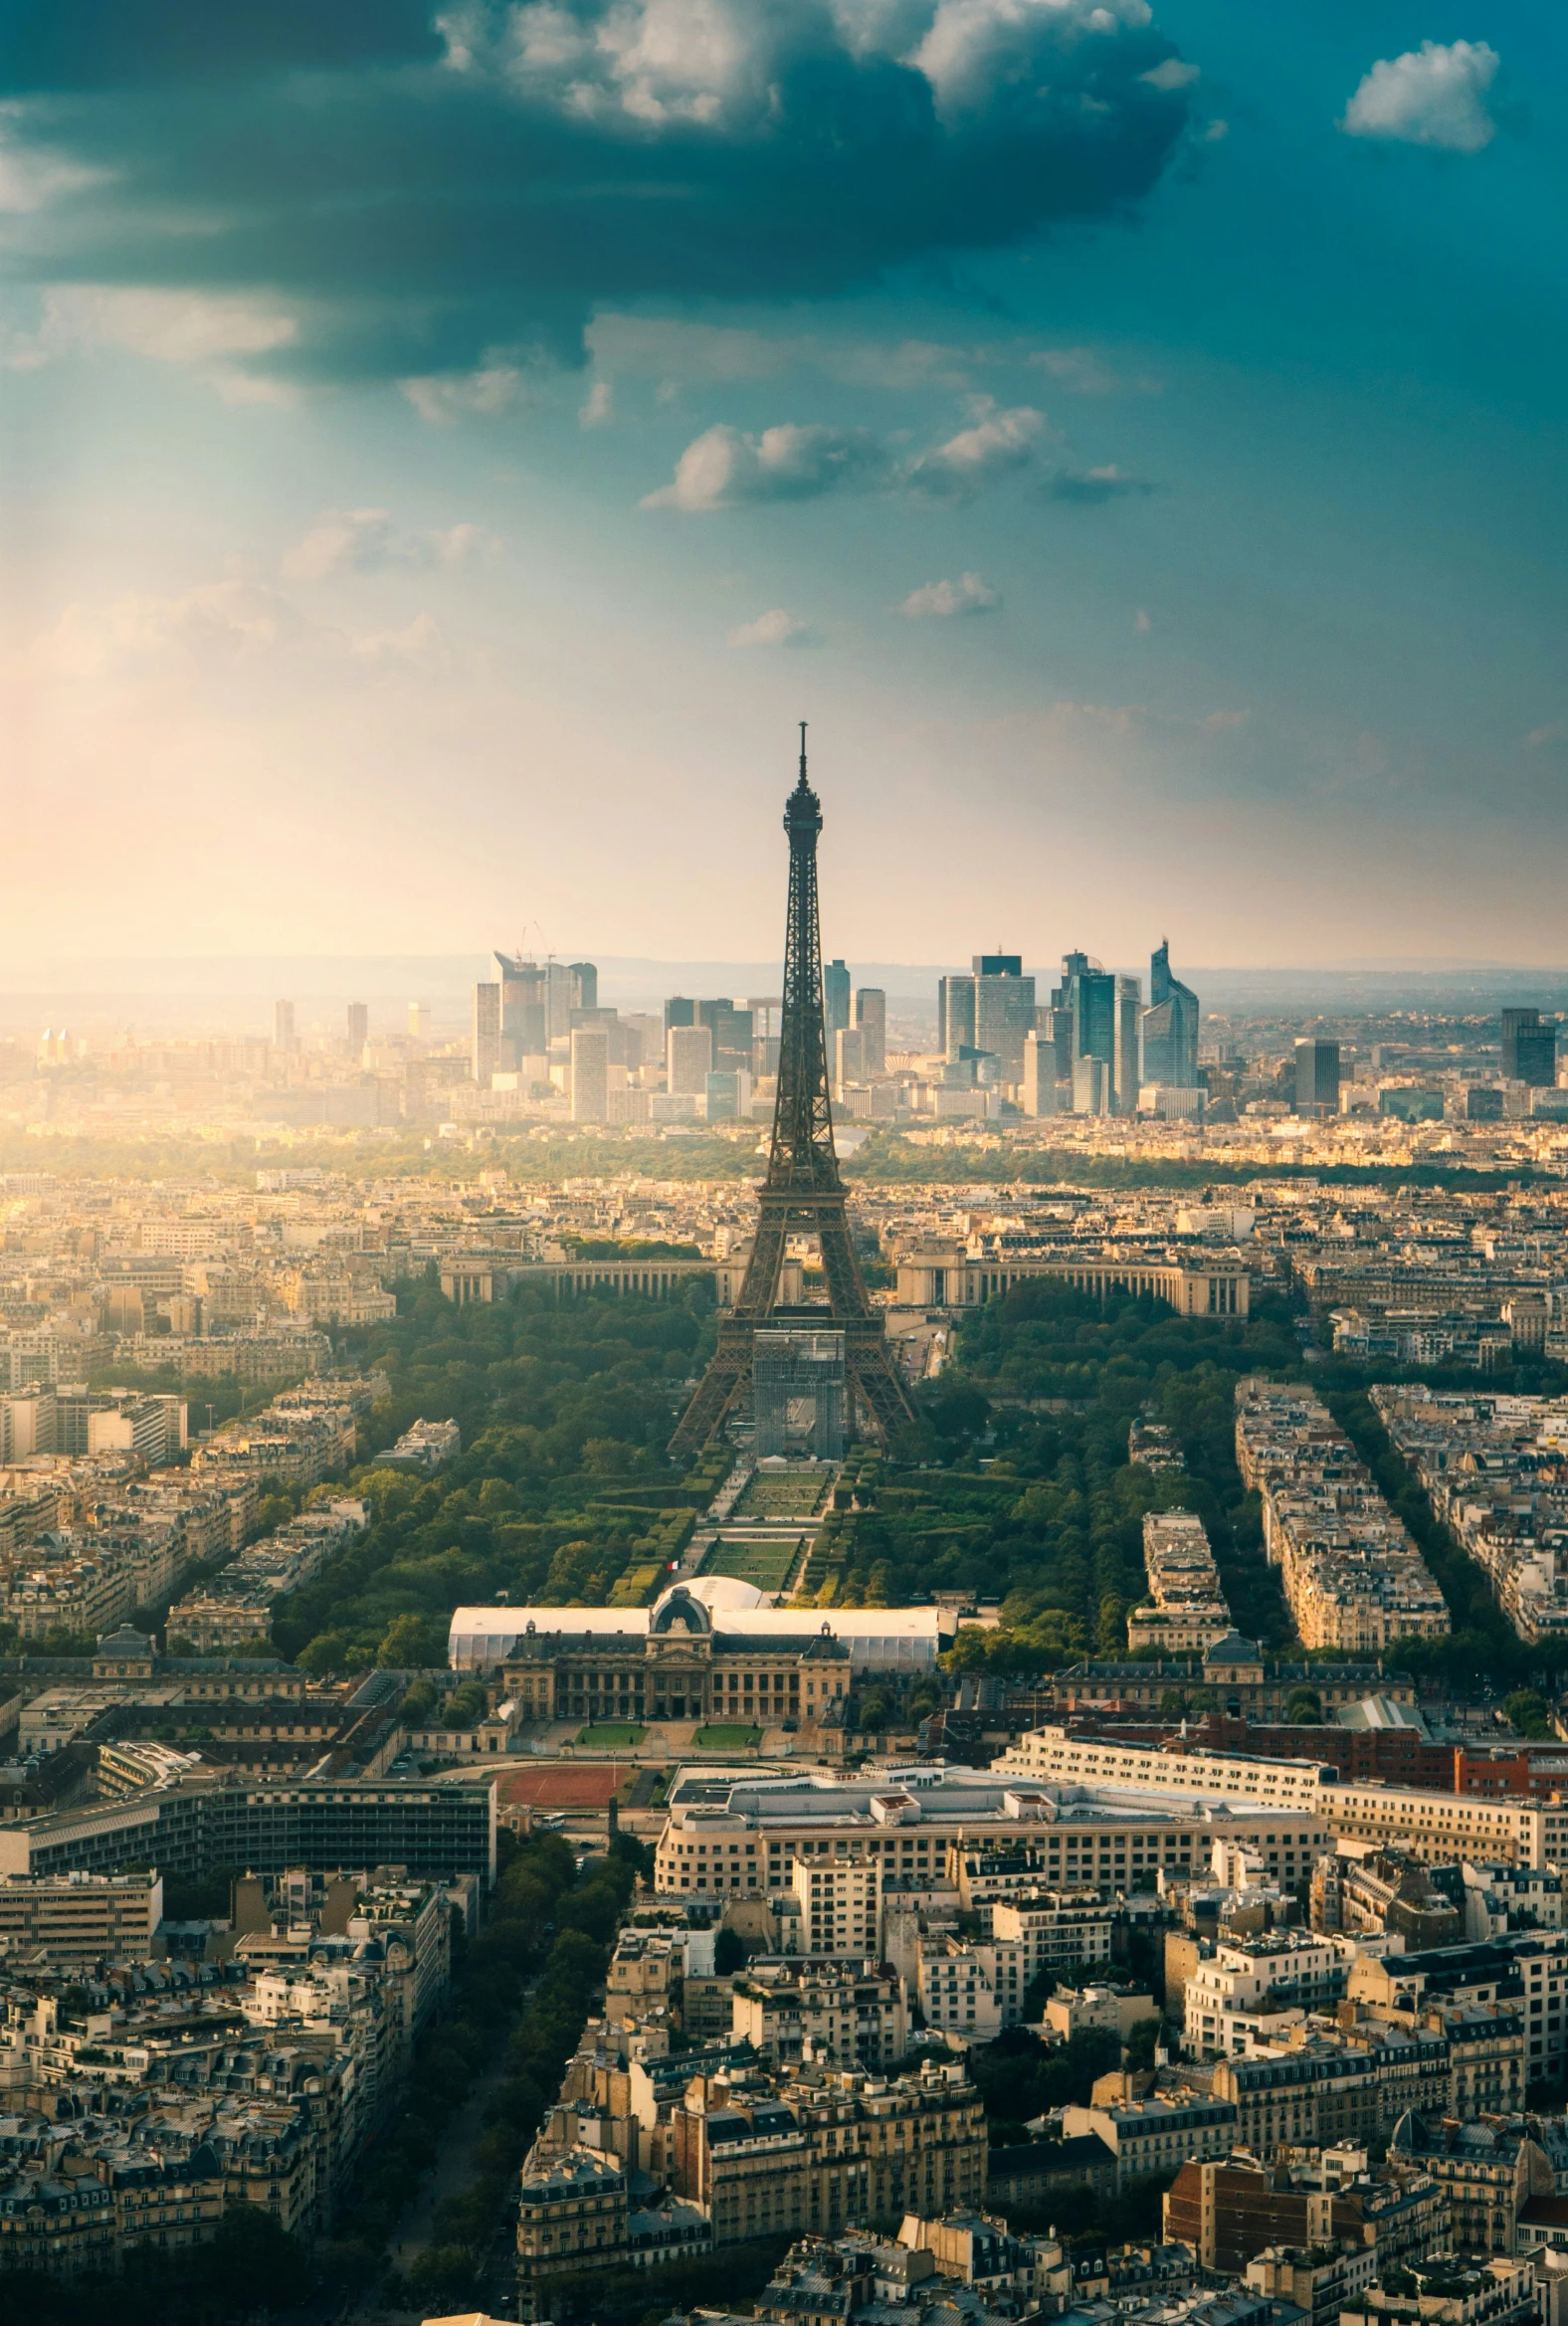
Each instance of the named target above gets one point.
<point>803,1192</point>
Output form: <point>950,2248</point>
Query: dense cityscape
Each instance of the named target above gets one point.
<point>783,1164</point>
<point>909,1744</point>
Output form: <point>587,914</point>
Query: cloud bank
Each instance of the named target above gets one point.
<point>443,198</point>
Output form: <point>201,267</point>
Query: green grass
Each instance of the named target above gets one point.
<point>784,1496</point>
<point>767,1566</point>
<point>608,1734</point>
<point>726,1737</point>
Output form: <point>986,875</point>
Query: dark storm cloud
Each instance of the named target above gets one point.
<point>104,44</point>
<point>419,206</point>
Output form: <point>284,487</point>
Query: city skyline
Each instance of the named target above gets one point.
<point>1169,518</point>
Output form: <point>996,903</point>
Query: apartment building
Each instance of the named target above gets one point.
<point>1496,1471</point>
<point>1353,1578</point>
<point>854,2015</point>
<point>1247,1988</point>
<point>1186,1610</point>
<point>78,1918</point>
<point>1158,2134</point>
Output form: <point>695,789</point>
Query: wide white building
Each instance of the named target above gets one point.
<point>882,1639</point>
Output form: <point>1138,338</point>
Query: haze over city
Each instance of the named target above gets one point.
<point>783,1163</point>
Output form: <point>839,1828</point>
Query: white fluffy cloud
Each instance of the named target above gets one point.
<point>997,445</point>
<point>1431,95</point>
<point>939,600</point>
<point>724,468</point>
<point>979,52</point>
<point>777,627</point>
<point>365,540</point>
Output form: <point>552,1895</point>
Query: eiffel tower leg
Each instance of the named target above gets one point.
<point>759,1289</point>
<point>727,1379</point>
<point>716,1393</point>
<point>884,1394</point>
<point>846,1291</point>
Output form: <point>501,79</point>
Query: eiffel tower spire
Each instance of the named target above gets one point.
<point>803,1192</point>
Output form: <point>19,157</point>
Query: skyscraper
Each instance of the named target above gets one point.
<point>1089,993</point>
<point>1170,1026</point>
<point>1129,996</point>
<point>485,1057</point>
<point>689,1059</point>
<point>1039,1074</point>
<point>1004,1012</point>
<point>590,1073</point>
<point>955,1015</point>
<point>871,1022</point>
<point>284,1025</point>
<point>731,1029</point>
<point>1529,1049</point>
<point>1316,1077</point>
<point>1092,1086</point>
<point>835,998</point>
<point>849,1057</point>
<point>524,1008</point>
<point>359,1026</point>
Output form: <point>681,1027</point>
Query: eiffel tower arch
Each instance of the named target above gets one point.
<point>803,1193</point>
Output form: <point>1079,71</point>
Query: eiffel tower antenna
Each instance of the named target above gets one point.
<point>803,1192</point>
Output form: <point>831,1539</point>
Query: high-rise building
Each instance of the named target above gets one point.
<point>359,1026</point>
<point>1170,1026</point>
<point>1039,1074</point>
<point>688,1061</point>
<point>524,1009</point>
<point>835,998</point>
<point>849,1057</point>
<point>585,983</point>
<point>284,1025</point>
<point>590,1073</point>
<point>1129,1001</point>
<point>419,1021</point>
<point>1088,993</point>
<point>1056,1027</point>
<point>728,1096</point>
<point>731,1029</point>
<point>955,1015</point>
<point>1004,1012</point>
<point>1092,1086</point>
<point>871,1021</point>
<point>680,1010</point>
<point>1529,1049</point>
<point>485,1055</point>
<point>1316,1077</point>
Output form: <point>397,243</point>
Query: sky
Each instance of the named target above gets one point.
<point>445,451</point>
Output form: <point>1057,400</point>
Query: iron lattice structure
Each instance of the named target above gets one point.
<point>803,1193</point>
